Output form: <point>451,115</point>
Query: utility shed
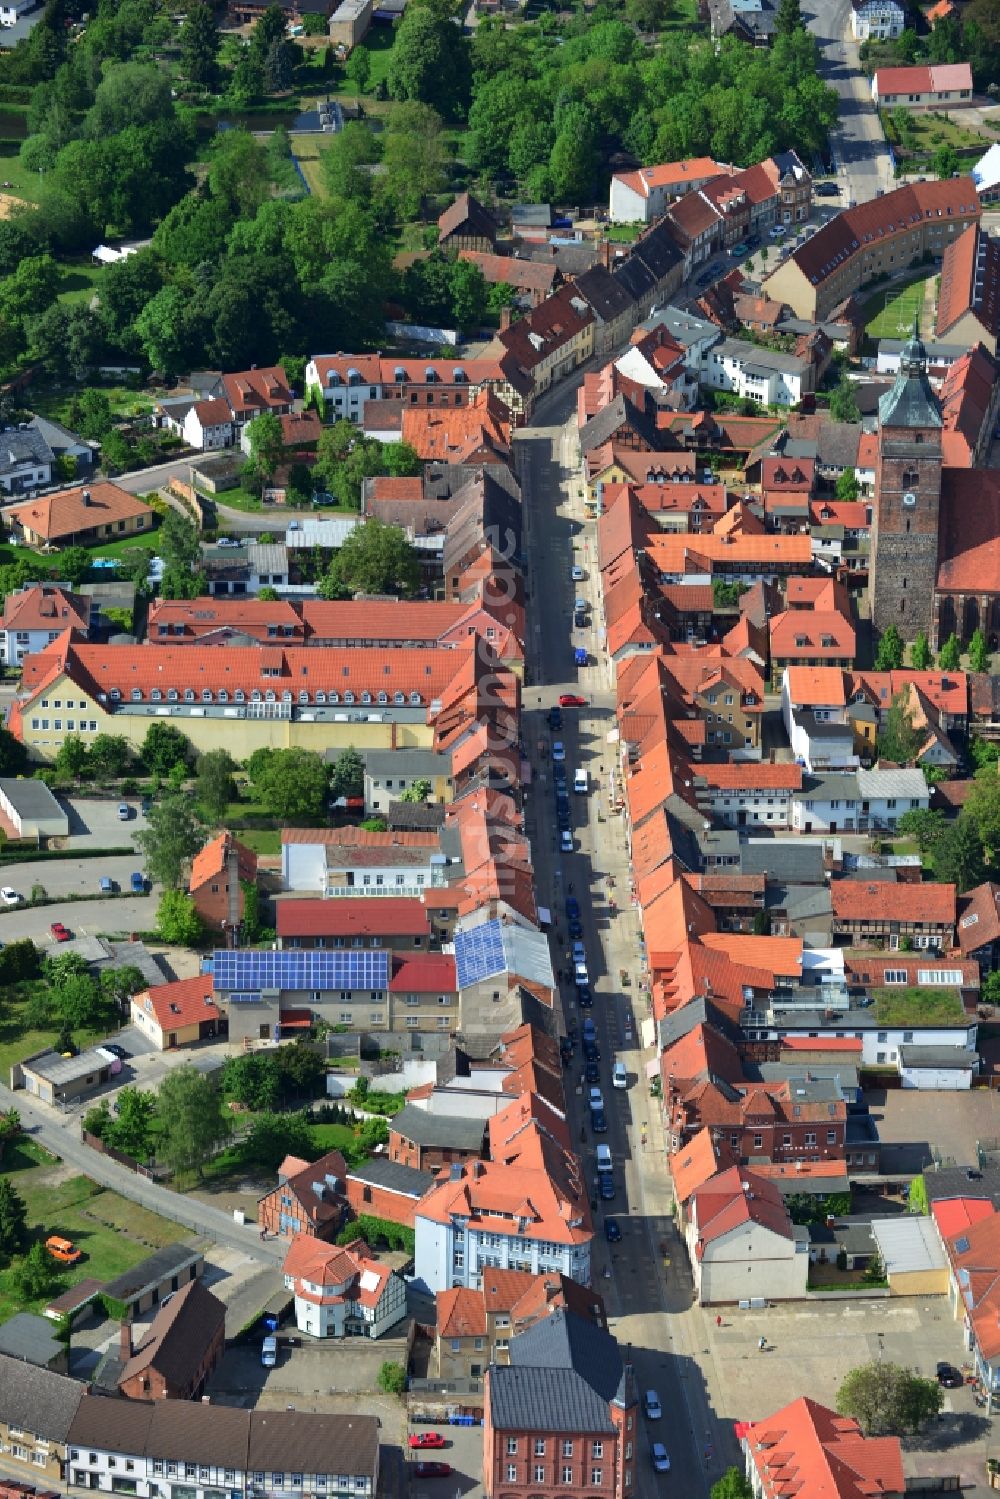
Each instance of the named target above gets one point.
<point>910,1249</point>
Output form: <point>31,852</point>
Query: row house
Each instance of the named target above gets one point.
<point>741,1241</point>
<point>804,1119</point>
<point>973,1252</point>
<point>342,383</point>
<point>747,794</point>
<point>309,1198</point>
<point>922,914</point>
<point>539,350</point>
<point>644,195</point>
<point>475,1328</point>
<point>806,1438</point>
<point>179,1449</point>
<point>815,637</point>
<point>218,417</point>
<point>398,922</point>
<point>861,800</point>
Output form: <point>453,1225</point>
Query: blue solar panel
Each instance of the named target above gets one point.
<point>479,953</point>
<point>245,971</point>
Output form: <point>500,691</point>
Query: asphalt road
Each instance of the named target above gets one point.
<point>83,917</point>
<point>859,148</point>
<point>248,523</point>
<point>71,876</point>
<point>643,1278</point>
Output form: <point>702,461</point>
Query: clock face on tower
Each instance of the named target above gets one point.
<point>909,500</point>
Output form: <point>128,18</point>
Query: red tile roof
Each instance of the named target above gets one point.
<point>816,686</point>
<point>424,973</point>
<point>40,606</point>
<point>180,1004</point>
<point>937,78</point>
<point>252,391</point>
<point>678,174</point>
<point>212,860</point>
<point>855,900</point>
<point>970,524</point>
<point>953,1214</point>
<point>58,516</point>
<point>805,634</point>
<point>809,1450</point>
<point>393,916</point>
<point>733,1198</point>
<point>755,775</point>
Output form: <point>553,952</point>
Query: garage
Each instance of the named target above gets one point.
<point>936,1068</point>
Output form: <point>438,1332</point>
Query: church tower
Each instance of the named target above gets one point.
<point>904,541</point>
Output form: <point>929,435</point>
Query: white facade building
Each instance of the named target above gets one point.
<point>455,1254</point>
<point>886,794</point>
<point>741,1242</point>
<point>313,867</point>
<point>877,20</point>
<point>764,375</point>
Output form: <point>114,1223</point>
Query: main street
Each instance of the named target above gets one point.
<point>864,167</point>
<point>644,1278</point>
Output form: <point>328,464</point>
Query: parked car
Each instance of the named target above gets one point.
<point>10,897</point>
<point>580,602</point>
<point>580,619</point>
<point>651,1406</point>
<point>115,1050</point>
<point>612,1230</point>
<point>658,1457</point>
<point>108,886</point>
<point>59,932</point>
<point>606,1186</point>
<point>63,1250</point>
<point>124,811</point>
<point>138,883</point>
<point>565,841</point>
<point>619,1077</point>
<point>558,751</point>
<point>950,1377</point>
<point>584,998</point>
<point>826,190</point>
<point>555,719</point>
<point>579,952</point>
<point>575,929</point>
<point>737,250</point>
<point>578,573</point>
<point>572,906</point>
<point>599,1121</point>
<point>592,1071</point>
<point>425,1439</point>
<point>572,699</point>
<point>432,1470</point>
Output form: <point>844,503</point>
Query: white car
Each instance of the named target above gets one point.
<point>658,1457</point>
<point>619,1076</point>
<point>651,1405</point>
<point>565,841</point>
<point>559,752</point>
<point>578,574</point>
<point>777,231</point>
<point>226,541</point>
<point>596,1098</point>
<point>10,897</point>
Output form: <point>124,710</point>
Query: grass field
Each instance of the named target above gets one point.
<point>262,840</point>
<point>127,543</point>
<point>80,280</point>
<point>924,133</point>
<point>890,313</point>
<point>113,1234</point>
<point>306,150</point>
<point>17,1038</point>
<point>909,1006</point>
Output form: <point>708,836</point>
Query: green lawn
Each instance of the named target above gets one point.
<point>24,184</point>
<point>306,150</point>
<point>926,132</point>
<point>261,840</point>
<point>905,1006</point>
<point>890,313</point>
<point>332,1137</point>
<point>55,402</point>
<point>126,543</point>
<point>80,280</point>
<point>113,1234</point>
<point>17,1039</point>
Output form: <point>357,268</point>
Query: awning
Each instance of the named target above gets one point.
<point>295,1019</point>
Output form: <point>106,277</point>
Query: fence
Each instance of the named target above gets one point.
<point>151,1173</point>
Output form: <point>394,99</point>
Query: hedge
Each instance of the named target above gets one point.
<point>19,855</point>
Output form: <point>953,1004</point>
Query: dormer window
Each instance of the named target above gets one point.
<point>269,695</point>
<point>223,695</point>
<point>136,695</point>
<point>303,697</point>
<point>383,697</point>
<point>399,697</point>
<point>239,695</point>
<point>156,695</point>
<point>366,697</point>
<point>189,694</point>
<point>348,697</point>
<point>206,695</point>
<point>171,694</point>
<point>415,699</point>
<point>255,695</point>
<point>321,698</point>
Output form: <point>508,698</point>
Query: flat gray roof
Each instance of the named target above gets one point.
<point>59,1070</point>
<point>30,798</point>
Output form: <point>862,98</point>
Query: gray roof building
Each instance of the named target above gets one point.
<point>36,1399</point>
<point>910,402</point>
<point>392,1177</point>
<point>20,446</point>
<point>164,1264</point>
<point>796,863</point>
<point>900,782</point>
<point>444,1131</point>
<point>563,1375</point>
<point>31,1339</point>
<point>608,298</point>
<point>982,1183</point>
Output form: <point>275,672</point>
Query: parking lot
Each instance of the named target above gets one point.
<point>96,824</point>
<point>952,1122</point>
<point>71,876</point>
<point>463,1454</point>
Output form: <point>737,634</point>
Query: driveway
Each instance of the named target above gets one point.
<point>71,876</point>
<point>94,821</point>
<point>89,918</point>
<point>943,1126</point>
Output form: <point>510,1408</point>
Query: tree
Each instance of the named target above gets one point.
<point>351,150</point>
<point>294,785</point>
<point>215,787</point>
<point>979,652</point>
<point>131,1131</point>
<point>109,756</point>
<point>375,558</point>
<point>252,1080</point>
<point>180,548</point>
<point>279,67</point>
<point>575,155</point>
<point>887,1400</point>
<point>37,1276</point>
<point>946,163</point>
<point>899,741</point>
<point>119,984</point>
<point>267,445</point>
<point>889,656</point>
<point>13,755</point>
<point>789,17</point>
<point>418,792</point>
<point>847,485</point>
<point>268,30</point>
<point>958,855</point>
<point>273,1136</point>
<point>843,402</point>
<point>13,1218</point>
<point>391,1377</point>
<point>177,919</point>
<point>71,758</point>
<point>359,69</point>
<point>164,747</point>
<point>732,1485</point>
<point>170,840</point>
<point>415,156</point>
<point>347,778</point>
<point>200,45</point>
<point>74,565</point>
<point>921,656</point>
<point>950,655</point>
<point>429,62</point>
<point>923,826</point>
<point>189,1109</point>
<point>301,1070</point>
<point>982,807</point>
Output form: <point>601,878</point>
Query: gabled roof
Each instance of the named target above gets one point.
<point>731,1200</point>
<point>213,860</point>
<point>181,1003</point>
<point>56,516</point>
<point>393,916</point>
<point>179,1336</point>
<point>859,900</point>
<point>468,214</point>
<point>44,606</point>
<point>807,1450</point>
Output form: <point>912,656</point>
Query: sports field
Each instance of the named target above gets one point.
<point>890,313</point>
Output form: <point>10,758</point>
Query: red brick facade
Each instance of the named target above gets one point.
<point>379,1202</point>
<point>425,1157</point>
<point>537,1463</point>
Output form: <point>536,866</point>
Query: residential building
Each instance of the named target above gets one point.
<point>751,21</point>
<point>530,279</point>
<point>26,460</point>
<point>968,308</point>
<point>757,374</point>
<point>180,1013</point>
<point>872,239</point>
<point>886,794</point>
<point>36,615</point>
<point>743,793</point>
<point>156,1278</point>
<point>80,517</point>
<point>37,1408</point>
<point>342,1291</point>
<point>979,926</point>
<point>345,382</point>
<point>349,862</point>
<point>643,196</point>
<point>400,923</point>
<point>387,1189</point>
<point>562,1416</point>
<point>467,225</point>
<point>815,715</point>
<point>475,1328</point>
<point>222,872</point>
<point>741,1241</point>
<point>389,774</point>
<point>808,1444</point>
<point>864,911</point>
<point>974,1290</point>
<point>428,1140</point>
<point>933,87</point>
<point>310,1200</point>
<point>537,351</point>
<point>165,1448</point>
<point>810,637</point>
<point>877,20</point>
<point>176,1355</point>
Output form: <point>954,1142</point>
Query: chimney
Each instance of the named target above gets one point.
<point>85,496</point>
<point>606,254</point>
<point>505,319</point>
<point>125,1341</point>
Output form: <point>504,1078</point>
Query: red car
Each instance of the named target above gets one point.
<point>59,932</point>
<point>427,1439</point>
<point>432,1470</point>
<point>572,700</point>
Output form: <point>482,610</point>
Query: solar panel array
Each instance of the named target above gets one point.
<point>479,953</point>
<point>243,971</point>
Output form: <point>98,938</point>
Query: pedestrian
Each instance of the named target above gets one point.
<point>718,1321</point>
<point>762,1343</point>
<point>262,1232</point>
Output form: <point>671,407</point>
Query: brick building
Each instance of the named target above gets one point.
<point>309,1199</point>
<point>219,872</point>
<point>177,1354</point>
<point>427,1140</point>
<point>475,1327</point>
<point>387,1189</point>
<point>562,1416</point>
